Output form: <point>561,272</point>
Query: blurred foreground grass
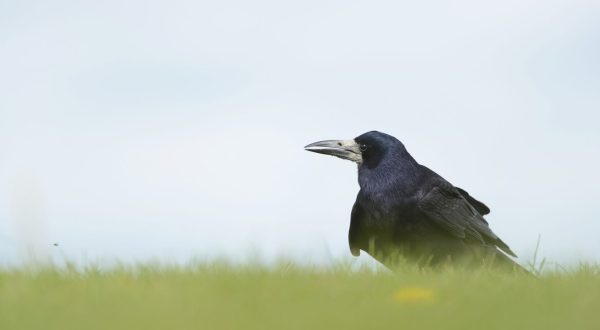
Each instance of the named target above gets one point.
<point>288,297</point>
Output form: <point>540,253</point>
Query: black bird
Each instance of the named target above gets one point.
<point>405,210</point>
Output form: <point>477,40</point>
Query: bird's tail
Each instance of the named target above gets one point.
<point>499,260</point>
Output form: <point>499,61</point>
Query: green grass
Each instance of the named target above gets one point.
<point>287,297</point>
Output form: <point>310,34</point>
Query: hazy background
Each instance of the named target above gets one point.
<point>137,130</point>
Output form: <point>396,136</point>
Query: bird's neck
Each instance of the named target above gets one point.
<point>392,177</point>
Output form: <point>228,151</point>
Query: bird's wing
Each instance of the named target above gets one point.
<point>447,207</point>
<point>354,233</point>
<point>479,206</point>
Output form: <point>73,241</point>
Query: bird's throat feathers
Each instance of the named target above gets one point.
<point>396,172</point>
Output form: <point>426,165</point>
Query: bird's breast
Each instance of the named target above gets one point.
<point>387,218</point>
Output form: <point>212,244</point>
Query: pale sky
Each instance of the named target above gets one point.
<point>170,130</point>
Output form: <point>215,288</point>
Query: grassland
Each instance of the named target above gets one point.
<point>218,296</point>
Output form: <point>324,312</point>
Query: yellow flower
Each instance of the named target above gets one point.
<point>414,294</point>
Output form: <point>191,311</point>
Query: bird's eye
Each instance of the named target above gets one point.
<point>363,147</point>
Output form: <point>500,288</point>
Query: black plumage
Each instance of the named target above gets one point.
<point>405,210</point>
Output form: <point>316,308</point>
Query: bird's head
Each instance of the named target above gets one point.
<point>367,150</point>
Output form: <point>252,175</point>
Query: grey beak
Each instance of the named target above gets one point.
<point>345,149</point>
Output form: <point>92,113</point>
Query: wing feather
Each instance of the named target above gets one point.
<point>448,208</point>
<point>479,206</point>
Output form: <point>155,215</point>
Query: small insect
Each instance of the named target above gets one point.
<point>55,244</point>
